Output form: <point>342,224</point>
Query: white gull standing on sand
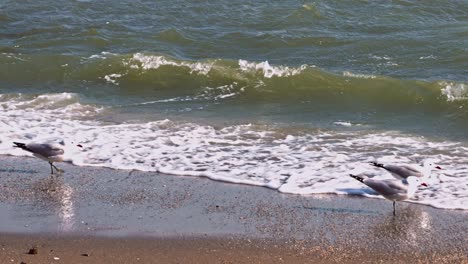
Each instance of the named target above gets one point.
<point>393,190</point>
<point>402,172</point>
<point>50,152</point>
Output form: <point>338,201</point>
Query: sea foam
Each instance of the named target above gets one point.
<point>268,70</point>
<point>454,91</point>
<point>147,62</point>
<point>305,163</point>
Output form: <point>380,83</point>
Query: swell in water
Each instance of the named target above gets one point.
<point>136,77</point>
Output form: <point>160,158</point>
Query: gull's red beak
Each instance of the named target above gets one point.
<point>424,184</point>
<point>437,167</point>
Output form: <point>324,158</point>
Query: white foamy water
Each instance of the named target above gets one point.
<point>140,61</point>
<point>454,91</point>
<point>356,75</point>
<point>268,70</point>
<point>15,107</point>
<point>295,162</point>
<point>112,78</point>
<point>147,62</point>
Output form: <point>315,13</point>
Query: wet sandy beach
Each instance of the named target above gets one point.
<point>118,216</point>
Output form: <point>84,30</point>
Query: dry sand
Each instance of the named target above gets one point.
<point>117,216</point>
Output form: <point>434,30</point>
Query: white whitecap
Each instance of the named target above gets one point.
<point>357,75</point>
<point>147,62</point>
<point>341,123</point>
<point>268,70</point>
<point>454,91</point>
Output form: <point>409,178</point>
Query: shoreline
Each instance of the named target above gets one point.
<point>113,210</point>
<point>91,249</point>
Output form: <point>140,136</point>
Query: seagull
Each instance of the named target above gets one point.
<point>404,171</point>
<point>50,152</point>
<point>393,190</point>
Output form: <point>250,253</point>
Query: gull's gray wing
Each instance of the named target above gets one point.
<point>387,187</point>
<point>46,149</point>
<point>403,171</point>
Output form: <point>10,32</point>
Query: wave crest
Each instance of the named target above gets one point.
<point>147,62</point>
<point>55,104</point>
<point>454,91</point>
<point>268,70</point>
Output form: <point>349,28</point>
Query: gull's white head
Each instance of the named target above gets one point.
<point>413,184</point>
<point>62,142</point>
<point>430,164</point>
<point>415,181</point>
<point>72,151</point>
<point>73,144</point>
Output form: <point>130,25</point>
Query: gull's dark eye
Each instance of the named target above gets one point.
<point>79,145</point>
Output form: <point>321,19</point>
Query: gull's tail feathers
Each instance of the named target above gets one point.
<point>361,179</point>
<point>21,146</point>
<point>375,164</point>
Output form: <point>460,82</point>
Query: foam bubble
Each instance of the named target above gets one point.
<point>102,55</point>
<point>387,60</point>
<point>340,123</point>
<point>111,78</point>
<point>428,57</point>
<point>147,62</point>
<point>355,75</point>
<point>454,91</point>
<point>268,70</point>
<point>44,101</point>
<point>45,108</point>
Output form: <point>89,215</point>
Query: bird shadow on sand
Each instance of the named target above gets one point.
<point>17,171</point>
<point>352,192</point>
<point>339,210</point>
<point>358,191</point>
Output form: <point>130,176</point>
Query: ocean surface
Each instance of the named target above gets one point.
<point>290,95</point>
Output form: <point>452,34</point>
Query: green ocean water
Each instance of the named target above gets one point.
<point>402,63</point>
